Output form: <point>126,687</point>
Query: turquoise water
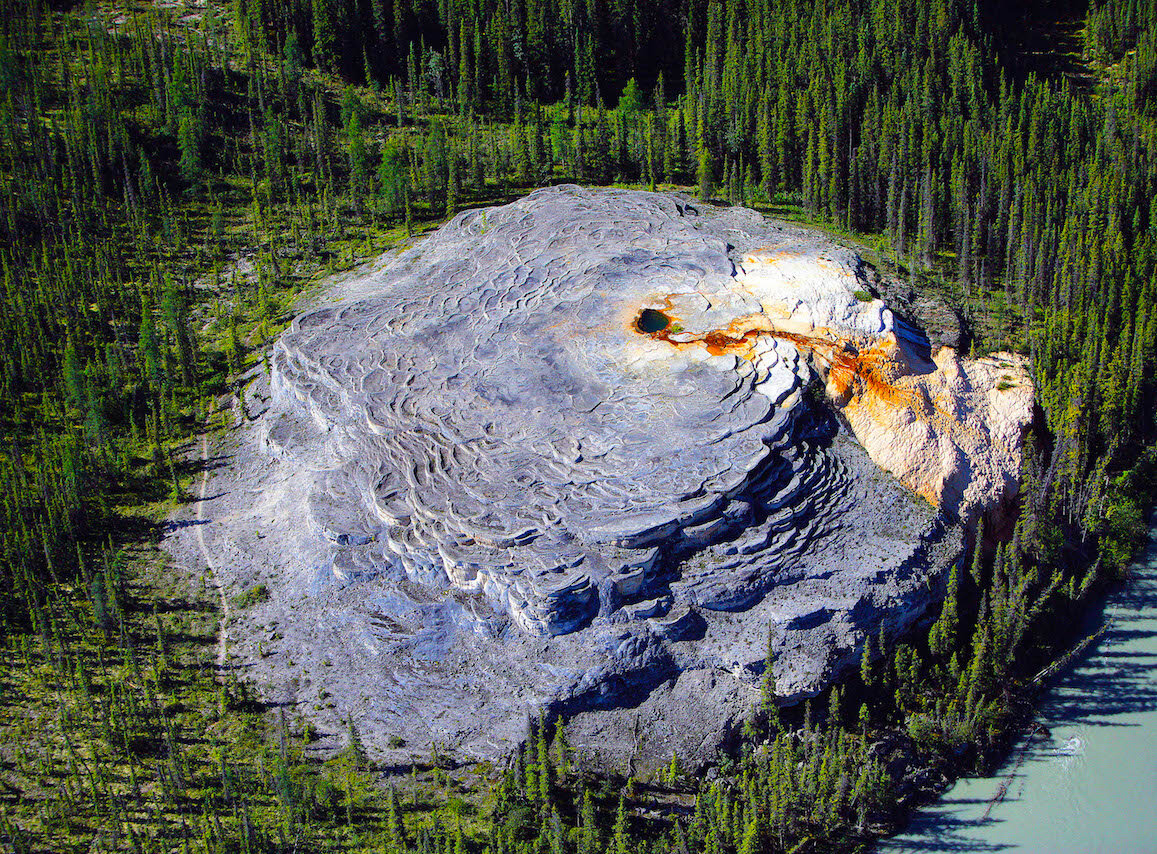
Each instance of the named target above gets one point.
<point>1090,785</point>
<point>650,321</point>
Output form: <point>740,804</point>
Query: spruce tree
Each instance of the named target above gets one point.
<point>74,378</point>
<point>620,835</point>
<point>324,35</point>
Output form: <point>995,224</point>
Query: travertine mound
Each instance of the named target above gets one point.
<point>575,452</point>
<point>949,428</point>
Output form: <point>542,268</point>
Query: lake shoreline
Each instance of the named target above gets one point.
<point>1107,689</point>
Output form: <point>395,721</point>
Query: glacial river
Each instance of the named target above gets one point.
<point>1091,785</point>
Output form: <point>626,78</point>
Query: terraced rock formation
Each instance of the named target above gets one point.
<point>584,452</point>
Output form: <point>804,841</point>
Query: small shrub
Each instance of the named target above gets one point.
<point>255,595</point>
<point>863,296</point>
<point>815,391</point>
<point>459,807</point>
<point>519,823</point>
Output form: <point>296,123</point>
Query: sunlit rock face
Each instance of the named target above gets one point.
<point>582,452</point>
<point>950,429</point>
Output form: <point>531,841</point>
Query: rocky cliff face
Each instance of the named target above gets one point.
<point>950,429</point>
<point>576,452</point>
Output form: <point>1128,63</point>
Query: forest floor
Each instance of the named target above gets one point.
<point>223,620</point>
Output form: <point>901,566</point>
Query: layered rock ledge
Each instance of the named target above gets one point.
<point>583,452</point>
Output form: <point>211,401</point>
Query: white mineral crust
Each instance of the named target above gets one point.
<point>483,486</point>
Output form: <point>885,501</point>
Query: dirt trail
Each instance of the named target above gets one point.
<point>223,625</point>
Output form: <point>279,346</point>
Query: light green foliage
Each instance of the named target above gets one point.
<point>254,595</point>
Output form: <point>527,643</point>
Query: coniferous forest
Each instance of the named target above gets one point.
<point>173,177</point>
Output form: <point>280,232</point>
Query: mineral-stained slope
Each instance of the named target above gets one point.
<point>583,452</point>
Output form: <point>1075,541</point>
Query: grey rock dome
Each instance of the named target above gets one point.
<point>483,487</point>
<point>510,430</point>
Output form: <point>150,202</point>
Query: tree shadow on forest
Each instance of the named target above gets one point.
<point>942,829</point>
